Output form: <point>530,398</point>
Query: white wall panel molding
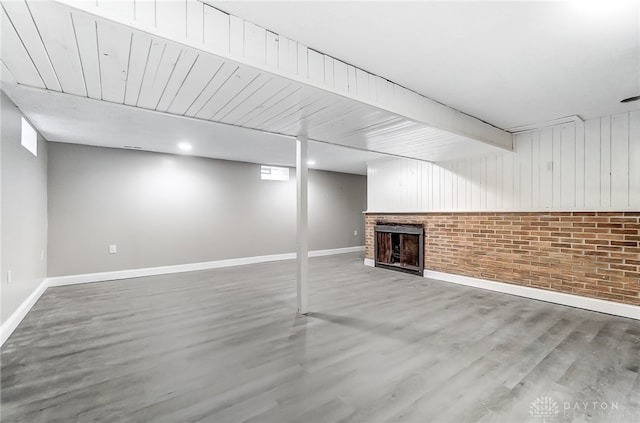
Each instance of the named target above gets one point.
<point>216,32</point>
<point>574,166</point>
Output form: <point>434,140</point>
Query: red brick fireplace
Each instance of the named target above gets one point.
<point>592,254</point>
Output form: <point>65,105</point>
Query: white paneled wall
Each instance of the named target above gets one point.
<point>575,166</point>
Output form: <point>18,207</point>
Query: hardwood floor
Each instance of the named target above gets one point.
<point>225,345</point>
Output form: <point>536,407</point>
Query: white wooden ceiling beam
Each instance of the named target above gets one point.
<point>231,38</point>
<point>16,60</point>
<point>56,39</point>
<point>19,17</point>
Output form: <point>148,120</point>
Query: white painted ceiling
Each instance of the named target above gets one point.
<point>509,63</point>
<point>53,47</point>
<point>78,120</point>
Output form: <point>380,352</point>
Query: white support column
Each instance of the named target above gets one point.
<point>302,238</point>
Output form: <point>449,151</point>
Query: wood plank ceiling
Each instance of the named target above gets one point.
<point>51,46</point>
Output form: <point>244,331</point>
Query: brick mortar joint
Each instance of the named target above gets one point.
<point>569,265</point>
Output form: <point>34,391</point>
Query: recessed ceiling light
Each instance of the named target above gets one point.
<point>311,162</point>
<point>630,99</point>
<point>185,146</point>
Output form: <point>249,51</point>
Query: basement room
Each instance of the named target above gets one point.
<point>320,211</point>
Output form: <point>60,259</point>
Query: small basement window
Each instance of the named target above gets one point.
<point>29,138</point>
<point>274,173</point>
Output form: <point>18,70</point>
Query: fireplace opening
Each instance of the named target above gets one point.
<point>399,247</point>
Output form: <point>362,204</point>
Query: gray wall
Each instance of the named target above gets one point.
<point>23,219</point>
<point>162,209</point>
<point>336,203</point>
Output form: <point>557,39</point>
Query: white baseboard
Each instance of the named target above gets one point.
<point>7,328</point>
<point>320,253</point>
<point>163,270</point>
<point>14,320</point>
<point>179,268</point>
<point>593,304</point>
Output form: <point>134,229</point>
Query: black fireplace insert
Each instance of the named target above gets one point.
<point>399,247</point>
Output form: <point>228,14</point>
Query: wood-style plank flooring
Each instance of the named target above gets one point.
<point>226,345</point>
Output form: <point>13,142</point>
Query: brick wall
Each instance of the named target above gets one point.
<point>593,254</point>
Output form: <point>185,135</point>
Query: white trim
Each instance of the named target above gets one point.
<point>164,270</point>
<point>594,304</point>
<point>505,211</point>
<point>345,250</point>
<point>7,328</point>
<point>179,268</point>
<point>14,320</point>
<point>540,125</point>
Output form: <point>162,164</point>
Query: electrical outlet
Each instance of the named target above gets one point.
<point>9,277</point>
<point>355,233</point>
<point>113,249</point>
